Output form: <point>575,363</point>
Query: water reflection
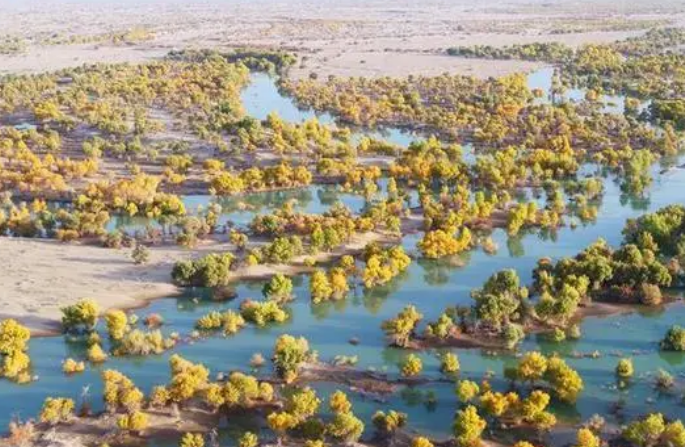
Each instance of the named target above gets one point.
<point>430,285</point>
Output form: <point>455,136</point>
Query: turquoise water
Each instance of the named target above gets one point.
<point>241,209</point>
<point>262,97</point>
<point>430,285</point>
<point>542,79</point>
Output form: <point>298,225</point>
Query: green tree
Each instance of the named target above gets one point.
<point>401,328</point>
<point>345,427</point>
<point>339,403</point>
<point>289,354</point>
<point>468,427</point>
<point>192,440</point>
<point>117,323</point>
<point>674,340</point>
<point>467,390</point>
<point>80,317</point>
<point>302,403</point>
<point>320,287</point>
<point>449,363</point>
<point>248,439</point>
<point>645,432</point>
<point>585,438</point>
<point>624,369</point>
<point>386,424</point>
<point>279,288</point>
<point>411,366</point>
<point>140,254</point>
<point>56,410</point>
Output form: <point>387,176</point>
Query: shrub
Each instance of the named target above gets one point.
<point>513,334</point>
<point>16,367</point>
<point>401,328</point>
<point>13,336</point>
<point>192,440</point>
<point>674,434</point>
<point>120,392</point>
<point>262,312</point>
<point>412,366</point>
<point>248,439</point>
<point>67,235</point>
<point>664,380</point>
<point>282,250</point>
<point>557,335</point>
<point>338,281</point>
<point>468,427</point>
<point>96,354</point>
<point>674,340</point>
<point>140,254</point>
<point>345,427</point>
<point>531,367</point>
<point>650,295</point>
<point>289,354</point>
<point>585,438</point>
<point>449,363</point>
<point>565,381</point>
<point>624,369</point>
<point>442,328</point>
<point>339,403</point>
<point>80,317</point>
<point>229,321</point>
<point>210,271</point>
<point>138,342</point>
<point>136,421</point>
<point>238,239</point>
<point>440,243</point>
<point>281,421</point>
<point>114,239</point>
<point>645,432</point>
<point>13,342</point>
<point>56,410</point>
<point>383,266</point>
<point>187,378</point>
<point>574,332</point>
<point>154,320</point>
<point>279,288</point>
<point>388,423</point>
<point>302,404</point>
<point>420,441</point>
<point>117,324</point>
<point>159,396</point>
<point>320,287</point>
<point>467,390</point>
<point>71,366</point>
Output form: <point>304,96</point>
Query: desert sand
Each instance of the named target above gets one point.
<point>346,38</point>
<point>41,276</point>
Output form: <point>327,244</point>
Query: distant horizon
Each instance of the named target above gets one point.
<point>27,4</point>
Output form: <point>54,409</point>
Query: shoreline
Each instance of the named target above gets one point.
<point>47,324</point>
<point>474,340</point>
<point>156,276</point>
